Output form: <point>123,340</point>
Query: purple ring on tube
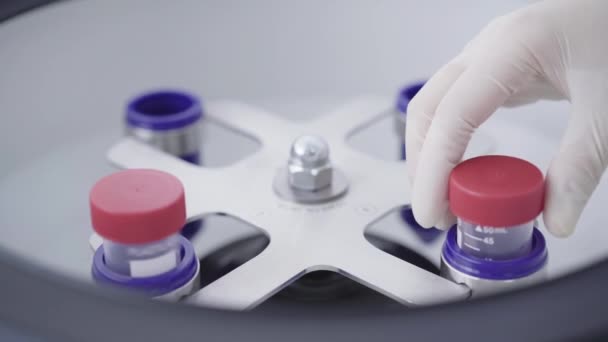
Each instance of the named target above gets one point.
<point>495,269</point>
<point>164,110</point>
<point>169,110</point>
<point>406,94</point>
<point>193,158</point>
<point>425,234</point>
<point>155,285</point>
<point>192,228</point>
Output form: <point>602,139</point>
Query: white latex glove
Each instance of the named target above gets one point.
<point>556,49</point>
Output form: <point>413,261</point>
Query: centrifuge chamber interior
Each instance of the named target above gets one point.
<point>265,72</point>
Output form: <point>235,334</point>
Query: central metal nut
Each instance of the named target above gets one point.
<point>309,167</point>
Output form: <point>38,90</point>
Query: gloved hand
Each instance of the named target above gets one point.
<point>555,49</point>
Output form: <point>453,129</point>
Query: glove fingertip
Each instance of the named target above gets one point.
<point>423,219</point>
<point>446,222</point>
<point>558,226</point>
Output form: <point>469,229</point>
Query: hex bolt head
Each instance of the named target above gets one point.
<point>309,167</point>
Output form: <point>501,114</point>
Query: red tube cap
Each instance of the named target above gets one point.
<point>497,191</point>
<point>137,206</point>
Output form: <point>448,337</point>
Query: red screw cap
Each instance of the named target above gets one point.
<point>497,191</point>
<point>137,206</point>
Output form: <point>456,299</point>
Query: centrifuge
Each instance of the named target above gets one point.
<point>236,170</point>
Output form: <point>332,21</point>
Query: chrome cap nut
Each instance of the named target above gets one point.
<point>310,179</point>
<point>309,167</point>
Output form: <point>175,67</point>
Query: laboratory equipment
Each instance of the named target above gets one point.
<point>494,245</point>
<point>197,58</point>
<point>310,177</point>
<point>139,214</point>
<point>406,94</point>
<point>169,120</point>
<point>304,237</point>
<point>495,242</point>
<point>309,167</point>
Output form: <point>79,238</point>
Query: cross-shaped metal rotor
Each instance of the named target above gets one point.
<point>303,237</point>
